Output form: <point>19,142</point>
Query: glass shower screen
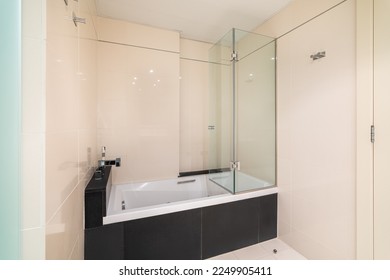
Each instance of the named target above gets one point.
<point>242,111</point>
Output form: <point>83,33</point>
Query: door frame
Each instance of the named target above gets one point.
<point>364,120</point>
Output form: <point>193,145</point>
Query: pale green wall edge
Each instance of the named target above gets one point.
<point>10,125</point>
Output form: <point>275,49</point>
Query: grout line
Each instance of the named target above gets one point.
<point>74,247</point>
<point>309,20</point>
<point>32,228</point>
<point>66,199</point>
<point>140,47</point>
<point>93,18</point>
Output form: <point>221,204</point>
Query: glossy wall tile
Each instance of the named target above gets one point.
<point>316,136</point>
<point>194,105</point>
<point>138,104</point>
<point>71,98</point>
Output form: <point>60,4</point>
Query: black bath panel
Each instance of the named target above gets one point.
<point>268,216</point>
<point>104,243</point>
<point>175,236</point>
<point>230,226</point>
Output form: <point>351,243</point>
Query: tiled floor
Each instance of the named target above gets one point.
<point>263,251</point>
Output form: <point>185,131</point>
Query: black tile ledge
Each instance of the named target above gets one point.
<point>96,196</point>
<point>202,172</point>
<point>101,184</point>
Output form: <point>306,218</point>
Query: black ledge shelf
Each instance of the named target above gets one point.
<point>202,172</point>
<point>96,199</point>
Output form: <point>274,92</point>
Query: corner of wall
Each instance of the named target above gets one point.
<point>33,128</point>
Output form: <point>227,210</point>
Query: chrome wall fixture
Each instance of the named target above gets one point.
<point>78,19</point>
<point>318,55</point>
<point>66,2</point>
<point>74,17</point>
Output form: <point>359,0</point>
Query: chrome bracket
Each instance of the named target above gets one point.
<point>234,56</point>
<point>235,165</point>
<point>78,19</point>
<point>318,55</point>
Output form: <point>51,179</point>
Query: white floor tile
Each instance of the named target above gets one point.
<point>269,257</point>
<point>289,254</point>
<point>227,256</point>
<point>254,252</point>
<point>263,251</point>
<point>270,245</point>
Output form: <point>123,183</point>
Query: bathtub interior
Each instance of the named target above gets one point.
<point>139,196</point>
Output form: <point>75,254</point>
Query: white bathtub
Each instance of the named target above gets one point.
<point>140,200</point>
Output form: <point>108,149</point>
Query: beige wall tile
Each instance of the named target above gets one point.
<point>137,35</point>
<point>59,18</point>
<point>88,30</point>
<point>138,111</point>
<point>78,250</point>
<point>86,83</point>
<point>71,99</point>
<point>294,15</point>
<point>194,50</point>
<point>316,136</point>
<point>62,84</point>
<point>61,169</point>
<point>62,231</point>
<point>194,119</point>
<point>87,157</point>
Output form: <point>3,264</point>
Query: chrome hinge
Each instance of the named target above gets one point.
<point>234,56</point>
<point>372,134</point>
<point>235,165</point>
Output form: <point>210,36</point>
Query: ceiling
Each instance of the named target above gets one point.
<point>202,20</point>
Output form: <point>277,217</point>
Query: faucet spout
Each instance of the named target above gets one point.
<point>103,162</point>
<point>116,162</point>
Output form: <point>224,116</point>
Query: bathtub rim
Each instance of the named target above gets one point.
<point>161,209</point>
